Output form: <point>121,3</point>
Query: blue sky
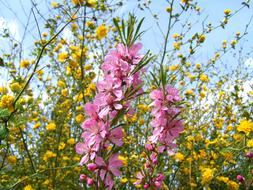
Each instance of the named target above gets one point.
<point>16,13</point>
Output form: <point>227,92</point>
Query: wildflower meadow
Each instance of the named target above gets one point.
<point>124,95</point>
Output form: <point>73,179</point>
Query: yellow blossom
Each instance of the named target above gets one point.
<point>37,125</point>
<point>7,102</point>
<point>233,185</point>
<point>51,126</point>
<point>245,126</point>
<point>61,146</point>
<point>79,118</point>
<point>179,157</point>
<point>227,12</point>
<point>204,78</point>
<point>101,32</point>
<point>201,38</point>
<point>177,45</point>
<point>28,187</point>
<point>207,175</point>
<point>25,63</point>
<point>12,159</point>
<point>123,180</point>
<point>250,143</point>
<point>54,4</point>
<point>49,154</point>
<point>62,57</point>
<point>71,141</point>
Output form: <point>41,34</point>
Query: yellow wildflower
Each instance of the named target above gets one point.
<point>179,157</point>
<point>123,180</point>
<point>25,63</point>
<point>28,187</point>
<point>204,78</point>
<point>7,102</point>
<point>227,12</point>
<point>101,32</point>
<point>71,141</point>
<point>79,118</point>
<point>12,159</point>
<point>245,126</point>
<point>62,57</point>
<point>49,154</point>
<point>233,185</point>
<point>250,143</point>
<point>61,146</point>
<point>207,175</point>
<point>51,126</point>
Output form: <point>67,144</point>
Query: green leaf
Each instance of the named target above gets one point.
<point>3,132</point>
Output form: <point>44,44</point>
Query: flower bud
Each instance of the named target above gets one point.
<point>82,177</point>
<point>249,154</point>
<point>92,167</point>
<point>90,181</point>
<point>240,178</point>
<point>145,186</point>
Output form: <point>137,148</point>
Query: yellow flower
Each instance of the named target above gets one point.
<point>61,146</point>
<point>204,78</point>
<point>88,67</point>
<point>71,141</point>
<point>15,87</point>
<point>207,175</point>
<point>54,4</point>
<point>201,38</point>
<point>179,157</point>
<point>227,12</point>
<point>25,63</point>
<point>7,102</point>
<point>189,92</point>
<point>49,154</point>
<point>174,67</point>
<point>101,32</point>
<point>51,126</point>
<point>223,179</point>
<point>3,90</point>
<point>175,35</point>
<point>37,125</point>
<point>62,57</point>
<point>61,84</point>
<point>28,187</point>
<point>123,180</point>
<point>245,126</point>
<point>77,2</point>
<point>177,45</point>
<point>79,118</point>
<point>250,143</point>
<point>233,185</point>
<point>12,159</point>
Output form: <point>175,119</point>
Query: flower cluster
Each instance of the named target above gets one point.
<point>166,126</point>
<point>166,129</point>
<point>111,99</point>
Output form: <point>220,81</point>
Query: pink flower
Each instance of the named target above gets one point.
<point>92,167</point>
<point>91,110</point>
<point>116,136</point>
<point>129,55</point>
<point>90,152</point>
<point>106,170</point>
<point>172,94</point>
<point>140,177</point>
<point>94,132</point>
<point>240,178</point>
